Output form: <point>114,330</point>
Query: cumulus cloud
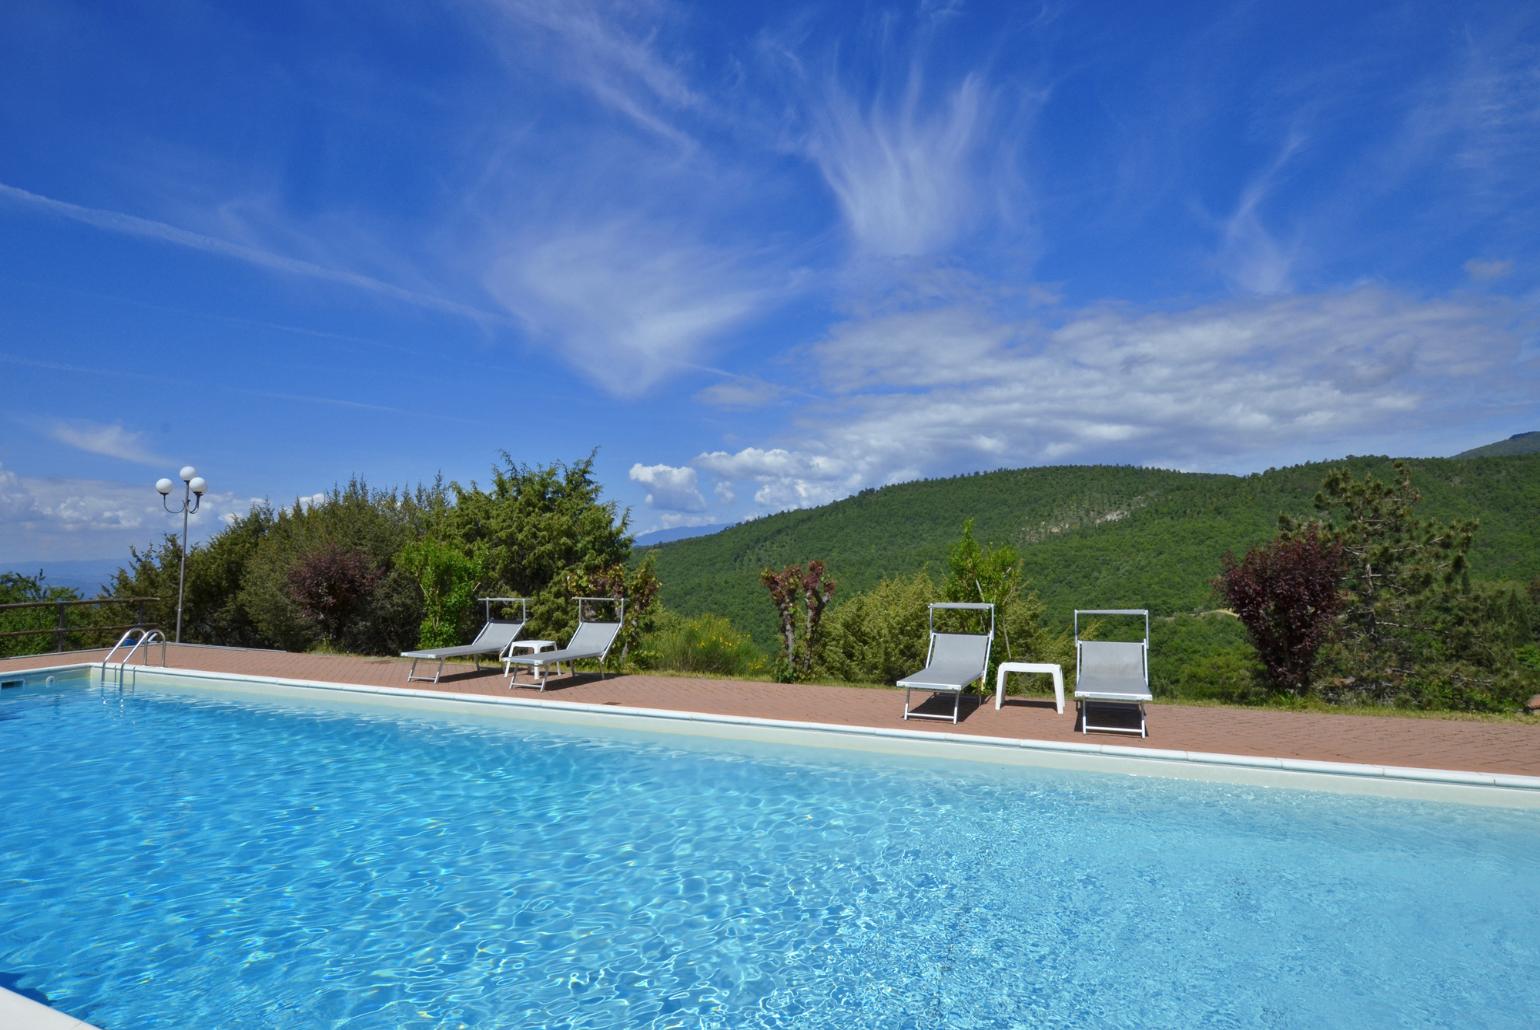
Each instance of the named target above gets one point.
<point>672,488</point>
<point>16,502</point>
<point>784,479</point>
<point>113,440</point>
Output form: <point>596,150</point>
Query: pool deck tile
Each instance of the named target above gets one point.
<point>1433,745</point>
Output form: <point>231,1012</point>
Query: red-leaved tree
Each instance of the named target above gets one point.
<point>815,588</point>
<point>1288,594</point>
<point>331,585</point>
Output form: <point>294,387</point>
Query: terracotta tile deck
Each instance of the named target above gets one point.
<point>1376,740</point>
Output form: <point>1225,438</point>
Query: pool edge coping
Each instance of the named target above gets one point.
<point>19,1012</point>
<point>1513,784</point>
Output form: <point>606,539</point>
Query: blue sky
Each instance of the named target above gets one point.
<point>759,255</point>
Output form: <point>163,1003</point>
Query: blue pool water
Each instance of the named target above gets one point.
<point>177,858</point>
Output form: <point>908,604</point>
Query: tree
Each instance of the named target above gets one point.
<point>878,636</point>
<point>214,611</point>
<point>1287,594</point>
<point>331,585</point>
<point>814,588</point>
<point>375,523</point>
<point>542,532</point>
<point>448,578</point>
<point>1398,572</point>
<point>637,585</point>
<point>994,575</point>
<point>18,589</point>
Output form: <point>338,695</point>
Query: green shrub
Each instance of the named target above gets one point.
<point>879,636</point>
<point>705,644</point>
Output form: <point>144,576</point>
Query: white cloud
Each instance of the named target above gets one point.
<point>908,180</point>
<point>673,520</point>
<point>785,479</point>
<point>740,394</point>
<point>146,228</point>
<point>937,391</point>
<point>672,488</point>
<point>609,51</point>
<point>1486,270</point>
<point>1250,256</point>
<point>627,302</point>
<point>113,440</point>
<point>16,502</point>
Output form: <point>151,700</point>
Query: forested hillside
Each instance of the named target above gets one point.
<point>1090,535</point>
<point>1518,443</point>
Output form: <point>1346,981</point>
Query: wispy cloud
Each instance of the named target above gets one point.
<point>910,176</point>
<point>1251,257</point>
<point>611,52</point>
<point>146,228</point>
<point>112,440</point>
<point>1488,269</point>
<point>625,301</point>
<point>917,155</point>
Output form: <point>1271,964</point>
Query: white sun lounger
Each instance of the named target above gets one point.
<point>494,638</point>
<point>1112,674</point>
<point>953,661</point>
<point>591,640</point>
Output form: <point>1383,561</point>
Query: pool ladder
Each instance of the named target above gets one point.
<point>133,639</point>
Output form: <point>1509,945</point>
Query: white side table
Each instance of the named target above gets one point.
<point>525,645</point>
<point>1044,667</point>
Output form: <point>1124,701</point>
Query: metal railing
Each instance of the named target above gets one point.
<point>135,638</point>
<point>61,629</point>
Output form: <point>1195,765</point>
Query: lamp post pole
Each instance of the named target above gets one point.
<point>193,488</point>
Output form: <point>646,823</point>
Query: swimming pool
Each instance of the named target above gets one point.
<point>188,857</point>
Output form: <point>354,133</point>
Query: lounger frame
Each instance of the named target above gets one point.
<point>934,687</point>
<point>501,643</point>
<point>571,654</point>
<point>1087,699</point>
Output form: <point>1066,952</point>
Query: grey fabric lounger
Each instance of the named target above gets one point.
<point>493,639</point>
<point>591,640</point>
<point>953,662</point>
<point>1112,674</point>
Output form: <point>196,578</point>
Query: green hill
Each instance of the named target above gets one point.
<point>1091,536</point>
<point>1518,443</point>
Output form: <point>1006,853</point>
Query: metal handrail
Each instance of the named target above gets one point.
<point>148,637</point>
<point>121,641</point>
<point>144,637</point>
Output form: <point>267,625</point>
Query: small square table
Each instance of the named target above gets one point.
<point>1048,668</point>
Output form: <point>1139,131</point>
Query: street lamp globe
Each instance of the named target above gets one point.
<point>187,473</point>
<point>163,487</point>
<point>199,485</point>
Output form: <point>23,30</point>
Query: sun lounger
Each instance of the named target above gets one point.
<point>1112,674</point>
<point>953,661</point>
<point>494,638</point>
<point>590,641</point>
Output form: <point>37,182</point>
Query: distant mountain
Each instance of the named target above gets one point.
<point>1518,443</point>
<point>85,575</point>
<point>664,536</point>
<point>1095,536</point>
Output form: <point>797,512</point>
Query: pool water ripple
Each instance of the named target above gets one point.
<point>183,859</point>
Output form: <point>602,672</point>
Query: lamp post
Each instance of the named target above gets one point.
<point>193,488</point>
